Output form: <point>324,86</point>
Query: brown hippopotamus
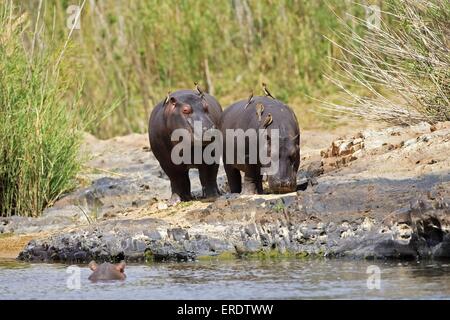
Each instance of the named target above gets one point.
<point>107,271</point>
<point>185,109</point>
<point>262,112</point>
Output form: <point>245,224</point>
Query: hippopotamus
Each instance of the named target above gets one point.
<point>262,112</point>
<point>107,271</point>
<point>185,109</point>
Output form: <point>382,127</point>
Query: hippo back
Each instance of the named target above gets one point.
<point>238,116</point>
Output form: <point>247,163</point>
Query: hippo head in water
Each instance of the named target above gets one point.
<point>188,110</point>
<point>107,271</point>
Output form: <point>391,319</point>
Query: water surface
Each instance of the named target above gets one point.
<point>240,279</point>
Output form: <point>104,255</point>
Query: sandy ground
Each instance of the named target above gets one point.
<point>11,245</point>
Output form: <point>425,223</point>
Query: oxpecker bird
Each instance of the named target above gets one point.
<point>250,98</point>
<point>198,89</point>
<point>266,91</point>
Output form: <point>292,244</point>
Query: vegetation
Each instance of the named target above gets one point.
<point>39,129</point>
<point>133,52</point>
<point>403,66</point>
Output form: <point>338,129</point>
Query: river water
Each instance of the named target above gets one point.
<point>238,279</point>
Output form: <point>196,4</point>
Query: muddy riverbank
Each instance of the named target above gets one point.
<point>376,193</point>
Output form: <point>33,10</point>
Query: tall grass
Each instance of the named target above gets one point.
<point>39,118</point>
<point>134,51</point>
<point>403,66</point>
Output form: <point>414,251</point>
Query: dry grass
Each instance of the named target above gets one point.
<point>11,245</point>
<point>403,67</point>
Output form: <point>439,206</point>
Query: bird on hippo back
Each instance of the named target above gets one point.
<point>185,109</point>
<point>107,271</point>
<point>258,113</point>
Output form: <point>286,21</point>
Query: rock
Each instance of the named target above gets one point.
<point>251,230</point>
<point>308,177</point>
<point>347,233</point>
<point>440,126</point>
<point>221,202</point>
<point>80,256</point>
<point>355,155</point>
<point>342,152</point>
<point>409,143</point>
<point>289,200</point>
<point>403,232</point>
<point>252,245</point>
<point>162,206</point>
<point>357,237</point>
<point>314,169</point>
<point>442,250</point>
<point>394,250</point>
<point>153,235</point>
<point>266,239</point>
<point>367,224</point>
<point>178,234</point>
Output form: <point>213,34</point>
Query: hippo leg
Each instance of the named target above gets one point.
<point>181,187</point>
<point>234,178</point>
<point>208,179</point>
<point>252,183</point>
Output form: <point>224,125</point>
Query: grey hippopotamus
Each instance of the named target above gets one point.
<point>262,112</point>
<point>107,271</point>
<point>184,109</point>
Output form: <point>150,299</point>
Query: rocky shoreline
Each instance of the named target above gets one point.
<point>379,194</point>
<point>266,232</point>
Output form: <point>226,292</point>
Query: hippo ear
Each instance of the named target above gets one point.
<point>93,265</point>
<point>120,266</point>
<point>170,101</point>
<point>169,105</point>
<point>167,98</point>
